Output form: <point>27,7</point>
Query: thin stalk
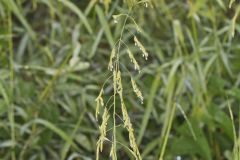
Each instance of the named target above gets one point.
<point>114,113</point>
<point>167,132</point>
<point>120,40</point>
<point>11,68</point>
<point>115,87</point>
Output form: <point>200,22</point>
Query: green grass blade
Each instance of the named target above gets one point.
<point>149,108</point>
<point>14,8</point>
<point>105,25</point>
<point>96,43</point>
<point>231,2</point>
<point>79,13</point>
<point>68,144</point>
<point>56,130</point>
<point>4,94</point>
<point>166,136</point>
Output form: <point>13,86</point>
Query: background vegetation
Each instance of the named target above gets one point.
<point>54,58</point>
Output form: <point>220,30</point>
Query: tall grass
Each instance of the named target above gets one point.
<point>57,57</point>
<point>117,70</point>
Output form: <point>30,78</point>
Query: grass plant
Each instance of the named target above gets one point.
<point>124,79</point>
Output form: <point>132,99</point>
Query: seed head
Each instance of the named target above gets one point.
<point>99,101</point>
<point>141,47</point>
<point>113,55</point>
<point>133,60</point>
<point>137,90</point>
<point>103,130</point>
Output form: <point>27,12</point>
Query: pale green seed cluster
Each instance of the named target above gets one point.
<point>137,90</point>
<point>112,56</point>
<point>141,47</point>
<point>103,131</point>
<point>133,60</point>
<point>99,101</point>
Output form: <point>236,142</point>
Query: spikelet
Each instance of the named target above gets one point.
<point>113,153</point>
<point>119,82</point>
<point>113,55</point>
<point>133,145</point>
<point>114,80</point>
<point>141,47</point>
<point>115,17</point>
<point>133,60</point>
<point>99,101</point>
<point>146,4</point>
<point>128,125</point>
<point>137,90</point>
<point>125,114</point>
<point>137,27</point>
<point>103,131</point>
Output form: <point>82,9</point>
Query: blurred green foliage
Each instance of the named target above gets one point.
<point>53,61</point>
